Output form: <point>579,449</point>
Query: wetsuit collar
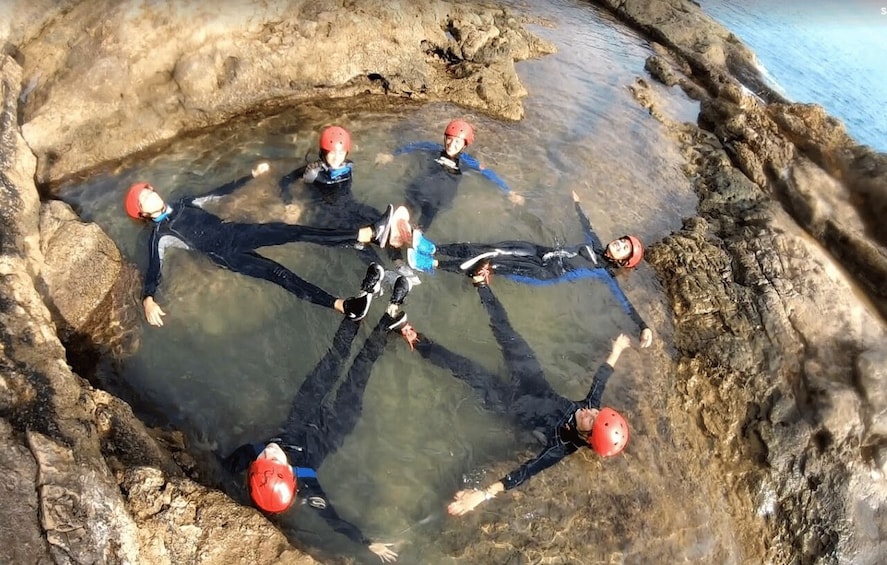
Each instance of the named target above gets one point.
<point>451,163</point>
<point>339,171</point>
<point>164,215</point>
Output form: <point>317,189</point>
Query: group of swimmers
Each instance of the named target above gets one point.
<point>283,468</point>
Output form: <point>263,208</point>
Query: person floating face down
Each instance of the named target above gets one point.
<point>282,470</point>
<point>530,400</point>
<point>187,224</point>
<point>435,188</point>
<point>539,265</point>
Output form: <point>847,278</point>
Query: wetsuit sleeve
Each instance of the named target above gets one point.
<point>590,236</point>
<point>311,171</point>
<point>286,183</point>
<point>489,174</point>
<point>152,275</point>
<point>551,455</point>
<point>227,189</point>
<point>598,384</point>
<point>240,458</point>
<point>310,490</point>
<point>624,302</point>
<point>418,146</point>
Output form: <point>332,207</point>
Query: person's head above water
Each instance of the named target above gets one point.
<point>271,482</point>
<point>335,144</point>
<point>458,135</point>
<point>627,251</point>
<point>605,430</point>
<point>143,203</point>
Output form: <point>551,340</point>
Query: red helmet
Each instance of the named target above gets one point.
<point>463,128</point>
<point>333,136</point>
<point>609,435</point>
<point>272,485</point>
<point>131,200</point>
<point>637,252</point>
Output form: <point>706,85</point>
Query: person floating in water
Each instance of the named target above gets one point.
<point>282,469</point>
<point>530,401</point>
<point>435,189</point>
<point>326,184</point>
<point>231,245</point>
<point>540,265</point>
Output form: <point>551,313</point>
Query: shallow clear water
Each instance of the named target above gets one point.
<point>830,52</point>
<point>234,350</point>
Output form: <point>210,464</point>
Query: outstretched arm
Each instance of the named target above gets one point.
<point>472,163</point>
<point>385,158</point>
<point>310,489</point>
<point>153,313</point>
<point>605,371</point>
<point>590,236</point>
<point>286,182</point>
<point>646,335</point>
<point>418,146</point>
<point>467,500</point>
<point>230,187</point>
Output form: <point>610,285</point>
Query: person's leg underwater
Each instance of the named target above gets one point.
<point>252,236</point>
<point>345,411</point>
<point>525,370</point>
<point>354,308</point>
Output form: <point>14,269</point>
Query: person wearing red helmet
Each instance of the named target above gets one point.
<point>529,400</point>
<point>331,170</point>
<point>540,265</point>
<point>434,190</point>
<point>325,194</point>
<point>283,470</point>
<point>232,245</point>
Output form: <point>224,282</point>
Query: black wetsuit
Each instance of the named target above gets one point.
<point>328,194</point>
<point>330,201</point>
<point>233,245</point>
<point>539,265</point>
<point>526,396</point>
<point>434,189</point>
<point>315,430</point>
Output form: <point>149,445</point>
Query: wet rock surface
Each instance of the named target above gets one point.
<point>789,410</point>
<point>110,79</point>
<point>772,338</point>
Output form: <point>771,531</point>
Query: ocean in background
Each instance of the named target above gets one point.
<point>830,52</point>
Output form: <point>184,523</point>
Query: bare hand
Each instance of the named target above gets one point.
<point>384,551</point>
<point>261,169</point>
<point>622,342</point>
<point>465,501</point>
<point>384,158</point>
<point>516,198</point>
<point>646,337</point>
<point>153,313</point>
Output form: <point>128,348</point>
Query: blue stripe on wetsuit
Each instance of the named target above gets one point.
<point>304,473</point>
<point>579,274</point>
